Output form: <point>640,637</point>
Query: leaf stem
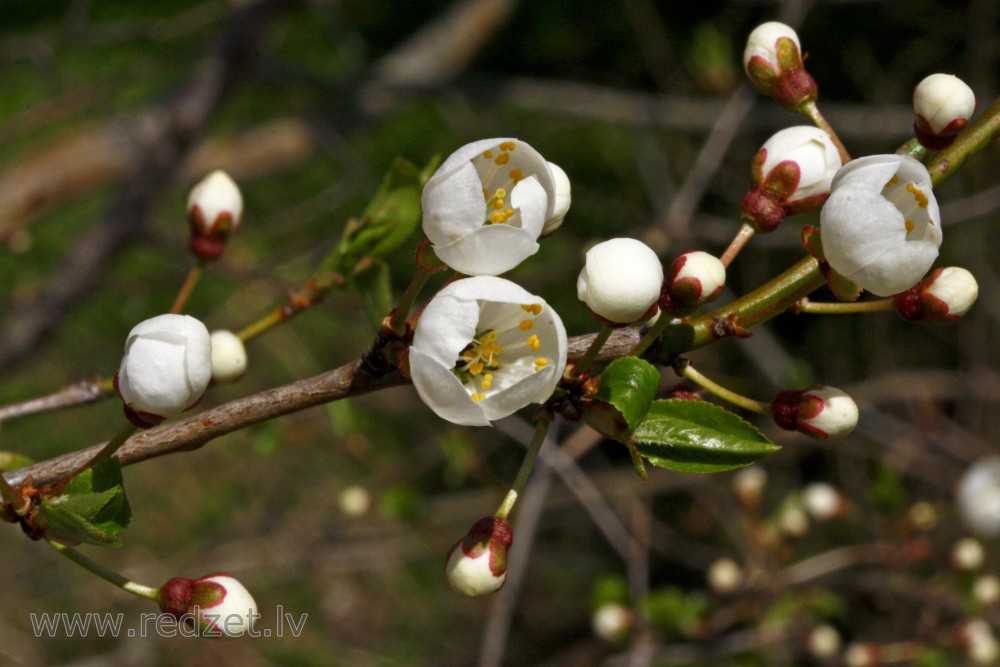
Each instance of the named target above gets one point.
<point>527,465</point>
<point>111,576</point>
<point>109,449</point>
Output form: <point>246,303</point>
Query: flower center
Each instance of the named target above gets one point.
<point>498,181</point>
<point>479,365</point>
<point>912,203</point>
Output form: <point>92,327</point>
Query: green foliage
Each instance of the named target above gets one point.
<point>694,436</point>
<point>675,612</point>
<point>92,508</point>
<point>626,389</point>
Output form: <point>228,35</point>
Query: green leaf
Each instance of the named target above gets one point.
<point>625,391</point>
<point>92,508</point>
<point>391,216</point>
<point>695,436</point>
<point>375,287</point>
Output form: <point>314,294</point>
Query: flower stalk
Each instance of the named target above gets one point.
<point>811,110</point>
<point>804,305</point>
<point>527,465</point>
<point>685,369</point>
<point>127,585</point>
<point>193,276</point>
<point>595,348</point>
<point>109,449</point>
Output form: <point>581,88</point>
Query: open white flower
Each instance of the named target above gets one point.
<point>881,226</point>
<point>486,206</point>
<point>621,280</point>
<point>485,348</point>
<point>166,366</point>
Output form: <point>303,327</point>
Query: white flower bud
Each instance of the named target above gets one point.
<point>820,411</point>
<point>943,105</point>
<point>220,604</point>
<point>978,497</point>
<point>762,43</point>
<point>824,642</point>
<point>955,290</point>
<point>484,348</point>
<point>694,278</point>
<point>822,501</point>
<point>563,198</point>
<point>881,226</point>
<point>477,564</point>
<point>612,622</point>
<point>862,655</point>
<point>621,281</point>
<point>814,156</point>
<point>748,485</point>
<point>214,210</point>
<point>979,642</point>
<point>793,521</point>
<point>968,554</point>
<point>166,366</point>
<point>485,206</point>
<point>229,356</point>
<point>355,501</point>
<point>725,576</point>
<point>772,60</point>
<point>986,590</point>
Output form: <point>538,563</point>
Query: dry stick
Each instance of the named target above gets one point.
<point>193,432</point>
<point>79,393</point>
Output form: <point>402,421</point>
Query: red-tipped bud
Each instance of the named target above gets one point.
<point>694,278</point>
<point>218,603</point>
<point>946,294</point>
<point>942,106</point>
<point>214,210</point>
<point>477,564</point>
<point>773,62</point>
<point>820,411</point>
<point>791,173</point>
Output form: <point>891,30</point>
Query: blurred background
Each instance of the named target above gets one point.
<point>112,110</point>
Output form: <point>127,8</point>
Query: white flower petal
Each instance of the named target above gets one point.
<point>453,207</point>
<point>447,325</point>
<point>488,250</point>
<point>443,392</point>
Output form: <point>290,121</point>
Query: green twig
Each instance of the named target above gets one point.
<point>118,580</point>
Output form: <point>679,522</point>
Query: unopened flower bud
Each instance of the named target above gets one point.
<point>792,173</point>
<point>773,62</point>
<point>229,356</point>
<point>165,369</point>
<point>943,105</point>
<point>986,590</point>
<point>214,210</point>
<point>819,411</point>
<point>923,516</point>
<point>355,501</point>
<point>978,497</point>
<point>823,502</point>
<point>946,294</point>
<point>968,554</point>
<point>218,603</point>
<point>793,521</point>
<point>621,281</point>
<point>977,639</point>
<point>725,576</point>
<point>612,622</point>
<point>748,485</point>
<point>694,278</point>
<point>824,642</point>
<point>863,655</point>
<point>563,198</point>
<point>477,564</point>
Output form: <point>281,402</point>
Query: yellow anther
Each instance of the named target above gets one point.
<point>892,181</point>
<point>534,343</point>
<point>487,381</point>
<point>541,363</point>
<point>502,159</point>
<point>478,397</point>
<point>507,146</point>
<point>498,203</point>
<point>917,194</point>
<point>488,154</point>
<point>909,226</point>
<point>476,368</point>
<point>526,325</point>
<point>533,308</point>
<point>486,194</point>
<point>515,175</point>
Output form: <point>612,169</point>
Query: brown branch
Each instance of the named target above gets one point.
<point>353,379</point>
<point>78,393</point>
